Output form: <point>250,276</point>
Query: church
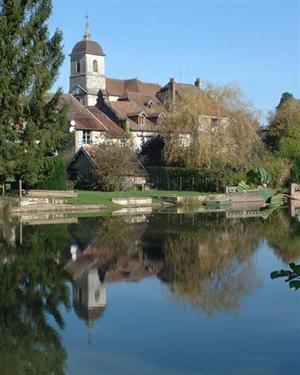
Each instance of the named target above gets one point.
<point>108,110</point>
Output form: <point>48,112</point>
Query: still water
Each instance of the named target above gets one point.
<point>149,294</point>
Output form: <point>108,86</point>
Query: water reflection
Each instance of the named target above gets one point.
<point>33,287</point>
<point>205,260</point>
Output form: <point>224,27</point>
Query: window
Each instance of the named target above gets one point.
<point>95,66</point>
<point>214,122</point>
<point>78,66</point>
<point>123,142</point>
<point>142,120</point>
<point>97,295</point>
<point>86,137</point>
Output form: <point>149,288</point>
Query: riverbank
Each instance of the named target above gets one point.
<point>106,198</point>
<point>103,202</point>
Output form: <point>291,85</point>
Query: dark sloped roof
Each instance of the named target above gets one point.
<point>119,87</point>
<point>88,46</point>
<point>84,119</point>
<point>148,126</point>
<point>113,130</point>
<point>125,108</point>
<point>143,99</point>
<point>189,91</point>
<point>88,314</point>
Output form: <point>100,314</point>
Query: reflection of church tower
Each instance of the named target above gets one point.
<point>89,297</point>
<point>87,69</point>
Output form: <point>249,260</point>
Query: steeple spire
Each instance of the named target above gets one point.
<point>87,35</point>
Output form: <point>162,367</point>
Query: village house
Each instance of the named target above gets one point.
<point>126,112</point>
<point>82,164</point>
<point>123,112</point>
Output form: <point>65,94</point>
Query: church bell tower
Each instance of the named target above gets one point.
<point>87,75</point>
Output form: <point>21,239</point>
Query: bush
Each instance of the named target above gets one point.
<point>295,172</point>
<point>174,178</point>
<point>57,178</point>
<point>152,152</point>
<point>113,167</point>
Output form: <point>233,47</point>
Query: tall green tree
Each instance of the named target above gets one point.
<point>281,120</point>
<point>284,97</point>
<point>32,122</point>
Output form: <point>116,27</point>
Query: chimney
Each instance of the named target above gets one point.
<point>172,85</point>
<point>197,83</point>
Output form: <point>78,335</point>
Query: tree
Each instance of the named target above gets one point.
<point>284,97</point>
<point>34,288</point>
<point>32,123</point>
<point>213,129</point>
<point>286,114</point>
<point>152,151</point>
<point>112,165</point>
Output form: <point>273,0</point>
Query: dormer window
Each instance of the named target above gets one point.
<point>149,103</point>
<point>95,66</point>
<point>142,120</point>
<point>78,66</point>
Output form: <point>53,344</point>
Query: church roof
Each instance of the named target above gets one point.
<point>88,314</point>
<point>119,87</point>
<point>88,46</point>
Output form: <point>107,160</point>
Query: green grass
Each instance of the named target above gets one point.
<point>105,198</point>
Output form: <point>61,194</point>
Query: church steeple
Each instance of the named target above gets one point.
<point>87,68</point>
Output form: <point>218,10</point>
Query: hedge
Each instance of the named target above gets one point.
<point>174,178</point>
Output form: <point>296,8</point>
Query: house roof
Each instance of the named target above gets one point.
<point>124,108</point>
<point>113,130</point>
<point>84,119</point>
<point>119,87</point>
<point>207,105</point>
<point>149,126</point>
<point>129,111</point>
<point>148,103</point>
<point>88,46</point>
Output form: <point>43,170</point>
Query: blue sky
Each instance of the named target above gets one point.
<point>253,43</point>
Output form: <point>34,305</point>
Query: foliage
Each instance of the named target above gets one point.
<point>284,97</point>
<point>283,130</point>
<point>112,165</point>
<point>32,123</point>
<point>57,178</point>
<point>278,168</point>
<point>33,288</point>
<point>227,142</point>
<point>295,171</point>
<point>152,152</point>
<point>176,178</point>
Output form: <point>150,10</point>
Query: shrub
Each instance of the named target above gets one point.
<point>113,165</point>
<point>175,178</point>
<point>57,178</point>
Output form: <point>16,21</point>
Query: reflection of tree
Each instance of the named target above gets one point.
<point>212,272</point>
<point>33,286</point>
<point>282,233</point>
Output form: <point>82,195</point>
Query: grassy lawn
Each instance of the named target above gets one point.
<point>101,197</point>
